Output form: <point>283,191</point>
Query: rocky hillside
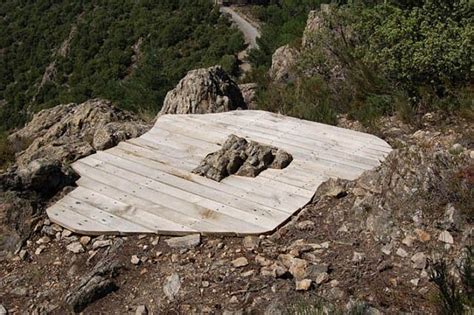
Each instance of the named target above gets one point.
<point>367,244</point>
<point>396,240</point>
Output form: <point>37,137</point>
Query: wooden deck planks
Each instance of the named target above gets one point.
<point>145,185</point>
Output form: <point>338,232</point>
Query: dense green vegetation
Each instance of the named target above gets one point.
<point>283,23</point>
<point>401,57</point>
<point>98,60</point>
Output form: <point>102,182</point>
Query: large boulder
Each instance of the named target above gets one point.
<point>204,91</point>
<point>284,60</point>
<point>66,133</point>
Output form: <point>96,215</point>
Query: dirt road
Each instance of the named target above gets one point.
<point>251,33</point>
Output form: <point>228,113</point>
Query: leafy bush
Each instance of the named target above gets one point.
<point>377,59</point>
<point>230,65</point>
<point>304,98</point>
<point>428,45</point>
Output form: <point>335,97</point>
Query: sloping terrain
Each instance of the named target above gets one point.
<point>130,52</point>
<point>366,244</point>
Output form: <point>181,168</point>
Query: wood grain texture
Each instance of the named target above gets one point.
<point>145,185</point>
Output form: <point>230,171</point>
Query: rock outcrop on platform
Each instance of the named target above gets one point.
<point>242,158</point>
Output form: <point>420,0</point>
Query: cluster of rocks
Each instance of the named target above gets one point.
<point>319,41</point>
<point>45,147</point>
<point>69,132</point>
<point>240,157</point>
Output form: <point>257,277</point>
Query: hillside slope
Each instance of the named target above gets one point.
<point>131,52</point>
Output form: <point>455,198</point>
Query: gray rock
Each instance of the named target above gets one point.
<point>358,257</point>
<point>315,269</point>
<point>141,310</point>
<point>172,286</point>
<point>419,260</point>
<point>101,244</point>
<point>303,285</point>
<point>204,91</point>
<point>251,242</point>
<point>45,176</point>
<point>456,149</point>
<point>332,188</point>
<point>115,132</point>
<point>446,237</point>
<point>66,233</point>
<point>298,268</point>
<point>84,240</point>
<point>43,240</point>
<point>23,254</point>
<point>3,310</point>
<point>242,158</point>
<point>249,91</point>
<point>188,241</point>
<point>401,252</point>
<point>96,284</point>
<point>452,218</point>
<point>314,24</point>
<point>240,262</point>
<point>284,60</point>
<point>135,260</point>
<point>75,247</point>
<point>322,278</point>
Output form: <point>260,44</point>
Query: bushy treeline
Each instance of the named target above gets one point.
<point>372,58</point>
<point>54,52</point>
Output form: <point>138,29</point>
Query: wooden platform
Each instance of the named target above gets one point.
<point>145,185</point>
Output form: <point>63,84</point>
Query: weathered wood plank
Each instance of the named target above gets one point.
<point>199,207</point>
<point>180,221</point>
<point>119,208</point>
<point>308,149</point>
<point>189,186</point>
<point>146,156</point>
<point>61,214</point>
<point>105,218</point>
<point>145,185</point>
<point>250,117</point>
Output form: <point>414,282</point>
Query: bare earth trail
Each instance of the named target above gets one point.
<point>250,32</point>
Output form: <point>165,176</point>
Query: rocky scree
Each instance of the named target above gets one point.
<point>242,158</point>
<point>334,254</point>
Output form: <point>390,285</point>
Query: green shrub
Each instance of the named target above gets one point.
<point>405,59</point>
<point>422,46</point>
<point>230,65</point>
<point>306,98</point>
